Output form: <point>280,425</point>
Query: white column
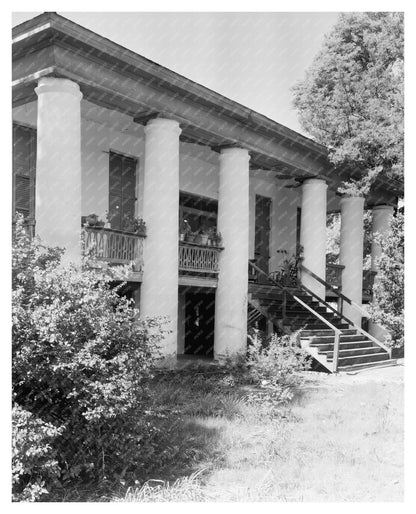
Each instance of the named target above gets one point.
<point>159,290</point>
<point>58,166</point>
<point>233,223</point>
<point>313,233</point>
<point>351,253</point>
<point>382,215</point>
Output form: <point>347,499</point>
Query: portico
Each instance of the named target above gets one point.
<point>114,130</point>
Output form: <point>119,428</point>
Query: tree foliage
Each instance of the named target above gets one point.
<point>80,356</point>
<point>351,99</point>
<point>387,308</point>
<point>333,238</point>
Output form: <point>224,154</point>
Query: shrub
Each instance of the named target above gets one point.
<point>34,461</point>
<point>276,363</point>
<point>80,357</point>
<point>387,308</point>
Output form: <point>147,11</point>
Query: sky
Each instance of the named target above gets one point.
<point>253,58</point>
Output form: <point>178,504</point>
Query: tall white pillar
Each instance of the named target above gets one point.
<point>58,166</point>
<point>233,222</point>
<point>313,233</point>
<point>159,290</point>
<point>351,253</point>
<point>382,215</point>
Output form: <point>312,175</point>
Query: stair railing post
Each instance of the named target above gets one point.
<point>336,349</point>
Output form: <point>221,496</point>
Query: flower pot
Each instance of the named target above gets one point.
<point>202,239</point>
<point>181,237</point>
<point>190,238</point>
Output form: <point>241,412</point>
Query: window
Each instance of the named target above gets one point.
<point>24,170</point>
<point>122,190</point>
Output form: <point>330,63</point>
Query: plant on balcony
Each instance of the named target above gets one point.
<point>134,224</point>
<point>202,237</point>
<point>288,274</point>
<point>92,220</point>
<point>214,237</point>
<point>184,230</point>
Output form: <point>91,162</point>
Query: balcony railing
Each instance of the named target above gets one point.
<point>114,246</point>
<point>198,258</point>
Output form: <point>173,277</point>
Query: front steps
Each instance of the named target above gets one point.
<point>356,351</point>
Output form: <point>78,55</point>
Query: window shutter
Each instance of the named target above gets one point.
<point>122,189</point>
<point>24,170</point>
<point>22,195</point>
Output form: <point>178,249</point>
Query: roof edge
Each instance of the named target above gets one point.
<point>205,94</point>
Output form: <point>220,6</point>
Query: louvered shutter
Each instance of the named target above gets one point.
<point>122,189</point>
<point>24,170</point>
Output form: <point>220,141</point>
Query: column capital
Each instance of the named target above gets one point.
<point>353,199</point>
<point>162,122</point>
<point>57,85</point>
<point>315,180</point>
<point>383,207</point>
<point>234,151</point>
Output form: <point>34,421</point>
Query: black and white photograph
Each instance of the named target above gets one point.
<point>207,214</point>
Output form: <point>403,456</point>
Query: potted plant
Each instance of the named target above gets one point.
<point>134,224</point>
<point>202,237</point>
<point>92,220</point>
<point>212,238</point>
<point>184,230</point>
<point>191,236</point>
<point>218,238</point>
<point>139,226</point>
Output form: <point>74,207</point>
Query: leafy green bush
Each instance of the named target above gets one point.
<point>387,308</point>
<point>80,357</point>
<point>276,363</point>
<point>33,457</point>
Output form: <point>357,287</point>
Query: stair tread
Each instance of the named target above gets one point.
<point>366,365</point>
<point>365,356</point>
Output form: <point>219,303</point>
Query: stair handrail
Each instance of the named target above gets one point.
<point>332,327</point>
<point>337,331</point>
<point>348,300</point>
<point>335,291</point>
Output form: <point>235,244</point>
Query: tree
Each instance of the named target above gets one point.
<point>333,238</point>
<point>351,99</point>
<point>387,308</point>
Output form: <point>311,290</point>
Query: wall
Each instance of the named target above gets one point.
<point>199,168</point>
<point>103,130</point>
<point>283,215</point>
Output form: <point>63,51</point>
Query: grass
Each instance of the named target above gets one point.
<point>219,440</point>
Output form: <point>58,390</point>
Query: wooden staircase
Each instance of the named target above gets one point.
<point>325,333</point>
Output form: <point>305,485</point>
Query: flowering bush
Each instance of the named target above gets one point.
<point>276,363</point>
<point>33,458</point>
<point>80,355</point>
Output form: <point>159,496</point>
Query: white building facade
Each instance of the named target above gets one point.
<point>101,130</point>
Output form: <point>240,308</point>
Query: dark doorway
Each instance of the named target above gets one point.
<point>262,234</point>
<point>199,324</point>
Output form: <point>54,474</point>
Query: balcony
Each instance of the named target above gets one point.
<point>113,247</point>
<point>198,264</point>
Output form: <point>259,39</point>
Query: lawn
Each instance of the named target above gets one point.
<point>339,438</point>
